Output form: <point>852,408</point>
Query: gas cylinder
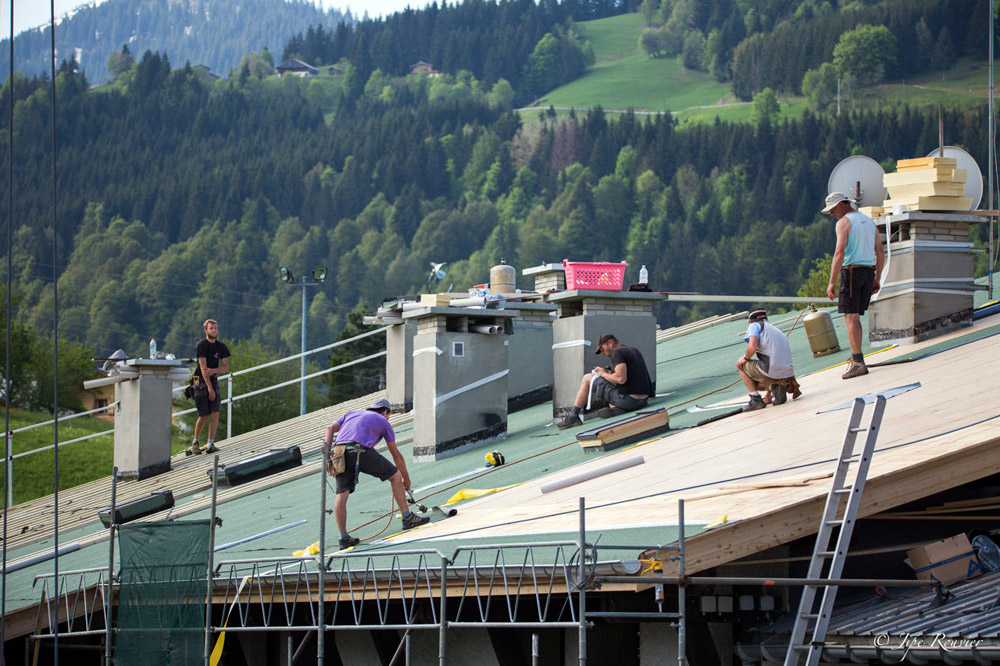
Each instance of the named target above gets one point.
<point>822,336</point>
<point>502,278</point>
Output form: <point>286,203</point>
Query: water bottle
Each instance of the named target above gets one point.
<point>643,275</point>
<point>152,348</point>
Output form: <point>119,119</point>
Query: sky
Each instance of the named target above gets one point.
<point>33,13</point>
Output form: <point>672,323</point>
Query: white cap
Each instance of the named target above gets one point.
<point>834,198</point>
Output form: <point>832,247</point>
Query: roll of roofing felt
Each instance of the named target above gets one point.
<point>593,474</point>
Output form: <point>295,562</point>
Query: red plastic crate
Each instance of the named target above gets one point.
<point>600,275</point>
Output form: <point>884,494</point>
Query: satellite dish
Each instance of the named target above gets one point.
<point>438,271</point>
<point>963,160</point>
<point>855,171</point>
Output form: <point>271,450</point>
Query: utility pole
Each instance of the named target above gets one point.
<point>318,277</point>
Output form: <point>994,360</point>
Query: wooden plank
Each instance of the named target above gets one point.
<point>643,424</point>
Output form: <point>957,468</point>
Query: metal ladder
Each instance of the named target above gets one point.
<point>797,646</point>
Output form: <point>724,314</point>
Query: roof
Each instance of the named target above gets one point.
<point>766,472</point>
<point>896,624</point>
<point>296,65</point>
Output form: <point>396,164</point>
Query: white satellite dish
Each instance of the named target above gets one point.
<point>963,160</point>
<point>857,172</point>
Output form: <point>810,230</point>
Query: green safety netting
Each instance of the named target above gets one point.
<point>161,601</point>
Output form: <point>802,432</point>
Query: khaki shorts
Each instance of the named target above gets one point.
<point>753,372</point>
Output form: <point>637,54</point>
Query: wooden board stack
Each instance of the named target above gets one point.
<point>636,427</point>
<point>927,183</point>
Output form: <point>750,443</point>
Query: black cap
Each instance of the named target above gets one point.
<point>607,337</point>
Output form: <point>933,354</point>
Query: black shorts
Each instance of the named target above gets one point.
<point>372,463</point>
<point>856,284</point>
<point>613,395</point>
<point>206,406</point>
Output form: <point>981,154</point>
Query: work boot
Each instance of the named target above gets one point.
<point>756,402</point>
<point>211,448</point>
<point>778,394</point>
<point>348,541</point>
<point>570,421</point>
<point>413,520</point>
<point>193,450</point>
<point>855,369</point>
<point>610,412</point>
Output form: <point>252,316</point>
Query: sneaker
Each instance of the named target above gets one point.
<point>610,412</point>
<point>756,402</point>
<point>413,520</point>
<point>211,448</point>
<point>855,369</point>
<point>193,450</point>
<point>348,541</point>
<point>778,394</point>
<point>570,421</point>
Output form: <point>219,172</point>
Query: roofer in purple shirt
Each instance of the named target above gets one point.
<point>359,431</point>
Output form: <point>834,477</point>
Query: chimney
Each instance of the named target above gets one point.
<point>143,415</point>
<point>928,285</point>
<point>529,355</point>
<point>398,354</point>
<point>459,378</point>
<point>583,315</point>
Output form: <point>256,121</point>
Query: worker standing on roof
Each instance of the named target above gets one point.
<point>625,385</point>
<point>358,432</point>
<point>213,360</point>
<point>772,370</point>
<point>858,262</point>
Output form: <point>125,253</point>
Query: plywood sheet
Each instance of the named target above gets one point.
<point>931,439</point>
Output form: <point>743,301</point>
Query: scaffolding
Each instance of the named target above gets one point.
<point>538,585</point>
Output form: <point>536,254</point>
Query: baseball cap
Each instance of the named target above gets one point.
<point>834,198</point>
<point>607,337</point>
<point>380,404</point>
<point>758,314</point>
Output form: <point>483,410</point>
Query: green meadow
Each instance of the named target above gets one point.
<point>624,78</point>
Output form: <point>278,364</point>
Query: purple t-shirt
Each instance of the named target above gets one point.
<point>364,427</point>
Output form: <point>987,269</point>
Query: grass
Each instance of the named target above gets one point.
<point>624,78</point>
<point>79,462</point>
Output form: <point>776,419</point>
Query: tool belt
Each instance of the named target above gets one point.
<point>336,464</point>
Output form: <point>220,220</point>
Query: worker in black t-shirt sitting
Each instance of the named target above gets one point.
<point>625,385</point>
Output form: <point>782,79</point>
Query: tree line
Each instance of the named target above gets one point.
<point>177,197</point>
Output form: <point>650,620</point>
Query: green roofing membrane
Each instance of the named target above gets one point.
<point>691,370</point>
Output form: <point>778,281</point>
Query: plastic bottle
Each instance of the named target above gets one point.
<point>643,275</point>
<point>152,348</point>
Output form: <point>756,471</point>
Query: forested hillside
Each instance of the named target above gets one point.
<point>178,198</point>
<point>213,33</point>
